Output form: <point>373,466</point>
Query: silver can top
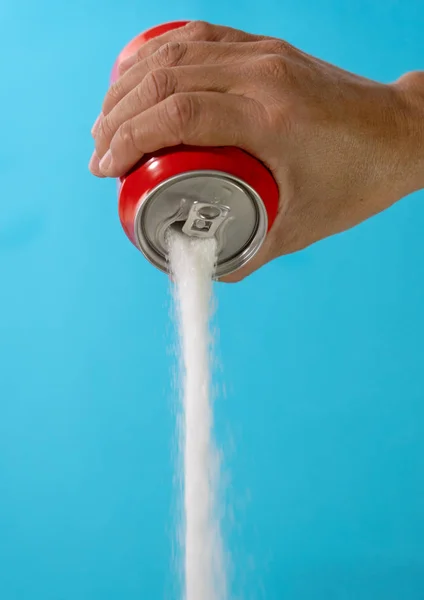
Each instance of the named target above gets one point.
<point>203,204</point>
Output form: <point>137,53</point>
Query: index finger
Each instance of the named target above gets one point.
<point>191,119</point>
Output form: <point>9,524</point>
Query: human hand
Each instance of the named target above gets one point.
<point>341,148</point>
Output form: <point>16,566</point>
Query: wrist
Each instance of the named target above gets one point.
<point>410,116</point>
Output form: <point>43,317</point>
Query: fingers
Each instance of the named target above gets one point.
<point>176,54</point>
<point>264,255</point>
<point>199,119</point>
<point>155,87</point>
<point>141,87</point>
<point>259,260</point>
<point>195,31</point>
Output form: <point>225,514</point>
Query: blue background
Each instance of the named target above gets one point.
<point>322,422</point>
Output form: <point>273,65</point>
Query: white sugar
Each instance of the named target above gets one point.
<point>192,264</point>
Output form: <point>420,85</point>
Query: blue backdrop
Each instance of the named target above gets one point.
<point>322,422</point>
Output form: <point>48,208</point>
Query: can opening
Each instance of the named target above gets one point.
<point>176,226</point>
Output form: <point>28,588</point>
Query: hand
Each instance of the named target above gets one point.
<point>341,147</point>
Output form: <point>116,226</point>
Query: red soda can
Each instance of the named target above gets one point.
<point>202,192</point>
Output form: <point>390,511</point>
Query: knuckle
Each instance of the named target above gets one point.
<point>126,135</point>
<point>104,129</point>
<point>144,52</point>
<point>113,96</point>
<point>275,46</point>
<point>283,47</point>
<point>274,66</point>
<point>171,54</point>
<point>148,49</point>
<point>157,85</point>
<point>201,30</point>
<point>181,111</point>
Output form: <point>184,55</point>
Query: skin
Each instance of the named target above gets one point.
<point>341,148</point>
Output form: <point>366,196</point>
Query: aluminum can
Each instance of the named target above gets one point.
<point>201,192</point>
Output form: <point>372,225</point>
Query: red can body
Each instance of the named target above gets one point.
<point>156,168</point>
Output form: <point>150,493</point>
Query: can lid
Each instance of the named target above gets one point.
<point>203,204</point>
<point>171,186</point>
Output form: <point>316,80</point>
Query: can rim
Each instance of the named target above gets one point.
<point>230,265</point>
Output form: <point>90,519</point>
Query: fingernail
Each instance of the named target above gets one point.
<point>96,124</point>
<point>93,165</point>
<point>106,163</point>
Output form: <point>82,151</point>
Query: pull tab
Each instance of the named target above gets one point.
<point>205,219</point>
